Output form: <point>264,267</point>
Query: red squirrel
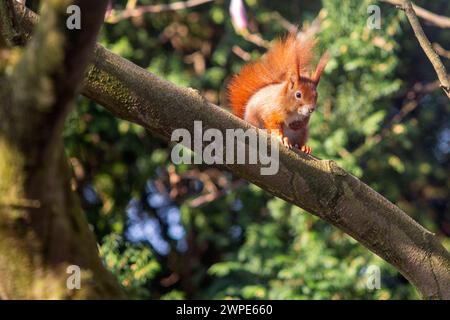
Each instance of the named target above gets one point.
<point>278,92</point>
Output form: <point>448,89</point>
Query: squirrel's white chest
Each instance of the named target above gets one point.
<point>295,128</point>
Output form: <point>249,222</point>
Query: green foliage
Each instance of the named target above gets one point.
<point>296,256</point>
<point>134,265</point>
<point>245,243</point>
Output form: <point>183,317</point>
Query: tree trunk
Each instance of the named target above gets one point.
<point>43,230</point>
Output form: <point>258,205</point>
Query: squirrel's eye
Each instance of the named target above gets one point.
<point>298,95</point>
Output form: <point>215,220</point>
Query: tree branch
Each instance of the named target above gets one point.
<point>441,51</point>
<point>318,186</point>
<point>131,12</point>
<point>427,47</point>
<point>435,19</point>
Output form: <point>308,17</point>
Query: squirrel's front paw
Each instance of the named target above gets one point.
<point>306,149</point>
<point>285,141</point>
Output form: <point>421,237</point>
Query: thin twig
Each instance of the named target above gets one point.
<point>427,47</point>
<point>314,28</point>
<point>413,97</point>
<point>241,53</point>
<point>256,39</point>
<point>132,11</point>
<point>435,19</point>
<point>441,51</point>
<point>285,23</point>
<point>307,32</point>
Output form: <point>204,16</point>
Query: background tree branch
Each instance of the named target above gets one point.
<point>427,47</point>
<point>430,17</point>
<point>137,11</point>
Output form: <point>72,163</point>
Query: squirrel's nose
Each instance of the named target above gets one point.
<point>310,107</point>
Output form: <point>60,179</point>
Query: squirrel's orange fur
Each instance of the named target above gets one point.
<point>271,92</point>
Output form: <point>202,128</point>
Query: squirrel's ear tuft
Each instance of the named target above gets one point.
<point>292,78</point>
<point>320,67</point>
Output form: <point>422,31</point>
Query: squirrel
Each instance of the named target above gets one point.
<point>278,92</point>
